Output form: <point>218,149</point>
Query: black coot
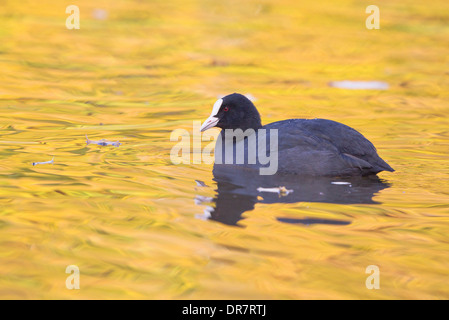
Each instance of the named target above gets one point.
<point>315,147</point>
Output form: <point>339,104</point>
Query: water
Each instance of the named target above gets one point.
<point>138,226</point>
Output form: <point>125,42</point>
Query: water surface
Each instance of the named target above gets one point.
<point>138,226</point>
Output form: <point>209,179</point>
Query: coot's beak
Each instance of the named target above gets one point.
<point>209,123</point>
<point>212,120</point>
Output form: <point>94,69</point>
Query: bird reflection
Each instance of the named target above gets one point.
<point>239,189</point>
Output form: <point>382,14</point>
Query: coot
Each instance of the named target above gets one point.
<point>316,147</point>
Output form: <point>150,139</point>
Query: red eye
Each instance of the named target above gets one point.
<point>225,109</point>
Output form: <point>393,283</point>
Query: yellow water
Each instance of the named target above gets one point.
<point>138,70</point>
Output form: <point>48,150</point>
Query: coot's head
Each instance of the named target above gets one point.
<point>234,111</point>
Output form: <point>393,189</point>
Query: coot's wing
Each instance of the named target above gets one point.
<point>332,138</point>
<point>352,144</point>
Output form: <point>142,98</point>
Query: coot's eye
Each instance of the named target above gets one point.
<point>225,109</point>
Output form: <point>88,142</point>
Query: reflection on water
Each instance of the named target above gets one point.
<point>237,192</point>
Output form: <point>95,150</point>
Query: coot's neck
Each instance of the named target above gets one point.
<point>252,122</point>
<point>247,130</point>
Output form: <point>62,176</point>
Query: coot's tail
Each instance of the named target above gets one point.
<point>381,165</point>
